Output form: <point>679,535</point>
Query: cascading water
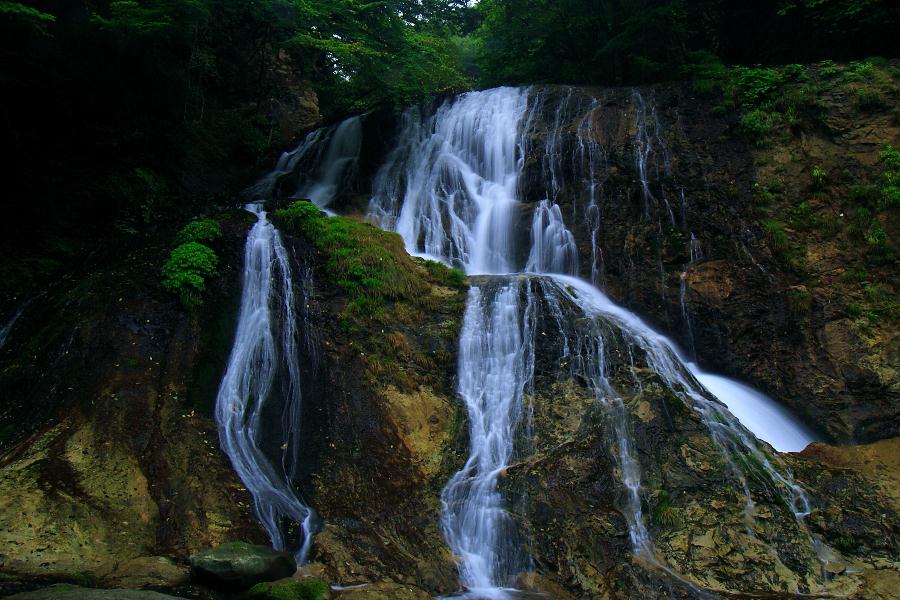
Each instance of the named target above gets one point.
<point>318,169</point>
<point>459,181</point>
<point>496,365</point>
<point>553,248</point>
<point>263,372</point>
<point>266,350</point>
<point>450,189</point>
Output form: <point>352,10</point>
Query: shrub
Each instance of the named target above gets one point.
<point>794,72</point>
<point>757,84</point>
<point>890,158</point>
<point>861,71</point>
<point>829,69</point>
<point>186,271</point>
<point>757,126</point>
<point>777,235</point>
<point>819,177</point>
<point>868,98</point>
<point>205,230</point>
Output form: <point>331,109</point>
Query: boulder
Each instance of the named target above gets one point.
<point>240,566</point>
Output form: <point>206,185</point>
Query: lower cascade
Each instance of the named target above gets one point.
<point>264,368</point>
<point>496,366</point>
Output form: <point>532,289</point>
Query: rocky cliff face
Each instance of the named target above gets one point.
<point>110,454</point>
<point>665,200</point>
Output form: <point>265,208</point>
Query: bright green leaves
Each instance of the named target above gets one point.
<point>191,263</point>
<point>205,230</point>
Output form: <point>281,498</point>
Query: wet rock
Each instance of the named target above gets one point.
<point>383,591</point>
<point>291,589</point>
<point>239,566</point>
<point>74,592</point>
<point>148,571</point>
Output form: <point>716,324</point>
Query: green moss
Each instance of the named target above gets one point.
<point>186,271</point>
<point>360,259</point>
<point>444,275</point>
<point>205,230</point>
<point>303,589</point>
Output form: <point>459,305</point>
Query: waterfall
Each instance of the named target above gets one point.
<point>553,247</point>
<point>450,189</point>
<point>338,164</point>
<point>458,181</point>
<point>318,169</point>
<point>265,354</point>
<point>496,364</point>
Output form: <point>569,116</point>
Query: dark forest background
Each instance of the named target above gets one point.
<point>122,118</point>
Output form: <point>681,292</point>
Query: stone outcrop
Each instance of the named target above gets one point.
<point>236,566</point>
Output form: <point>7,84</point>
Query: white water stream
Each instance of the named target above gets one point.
<point>265,346</point>
<point>450,189</point>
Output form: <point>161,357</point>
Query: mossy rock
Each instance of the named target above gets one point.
<point>290,589</point>
<point>240,566</point>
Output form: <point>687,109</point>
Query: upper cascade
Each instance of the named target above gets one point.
<point>319,169</point>
<point>449,188</point>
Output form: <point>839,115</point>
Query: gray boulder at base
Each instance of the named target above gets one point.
<point>240,566</point>
<point>65,591</point>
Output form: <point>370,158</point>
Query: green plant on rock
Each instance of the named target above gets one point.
<point>205,230</point>
<point>757,85</point>
<point>869,98</point>
<point>757,126</point>
<point>664,515</point>
<point>819,177</point>
<point>186,271</point>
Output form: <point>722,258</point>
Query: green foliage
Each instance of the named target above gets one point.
<point>757,126</point>
<point>869,98</point>
<point>205,230</point>
<point>381,52</point>
<point>186,271</point>
<point>297,589</point>
<point>663,515</point>
<point>361,259</point>
<point>757,85</point>
<point>819,177</point>
<point>30,17</point>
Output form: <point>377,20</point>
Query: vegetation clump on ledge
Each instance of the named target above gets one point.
<point>192,262</point>
<point>362,259</point>
<point>390,295</point>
